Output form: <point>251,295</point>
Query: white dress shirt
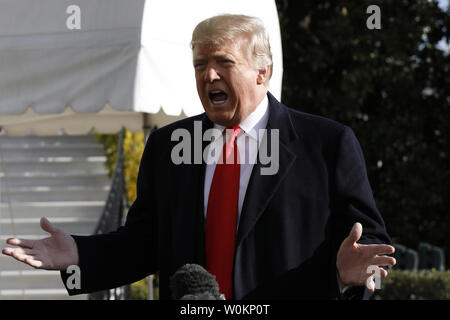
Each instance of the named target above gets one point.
<point>247,143</point>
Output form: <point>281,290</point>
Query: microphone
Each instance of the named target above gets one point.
<point>193,282</point>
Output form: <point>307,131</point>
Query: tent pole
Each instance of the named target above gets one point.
<point>146,125</point>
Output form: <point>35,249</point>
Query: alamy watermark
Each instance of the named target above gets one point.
<point>74,280</point>
<point>262,145</point>
<point>73,21</point>
<point>375,273</point>
<point>374,20</point>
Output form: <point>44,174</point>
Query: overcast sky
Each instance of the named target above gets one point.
<point>442,44</point>
<point>443,4</point>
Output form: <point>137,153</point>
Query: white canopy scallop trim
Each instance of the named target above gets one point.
<point>69,122</point>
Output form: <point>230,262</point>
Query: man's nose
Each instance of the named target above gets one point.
<point>211,74</point>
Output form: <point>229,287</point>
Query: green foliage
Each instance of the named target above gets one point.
<point>133,147</point>
<point>408,285</point>
<point>139,289</point>
<point>392,86</point>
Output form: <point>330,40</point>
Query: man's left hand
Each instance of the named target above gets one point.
<point>353,260</point>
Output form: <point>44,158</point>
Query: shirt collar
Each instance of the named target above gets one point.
<point>255,120</point>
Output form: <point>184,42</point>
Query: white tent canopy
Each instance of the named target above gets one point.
<point>103,63</point>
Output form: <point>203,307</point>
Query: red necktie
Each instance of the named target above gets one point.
<point>222,215</point>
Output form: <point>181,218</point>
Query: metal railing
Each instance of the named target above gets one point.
<point>113,217</point>
<point>4,187</point>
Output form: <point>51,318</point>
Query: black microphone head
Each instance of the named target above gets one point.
<point>193,282</point>
<point>202,296</point>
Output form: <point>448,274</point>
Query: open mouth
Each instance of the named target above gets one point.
<point>217,96</point>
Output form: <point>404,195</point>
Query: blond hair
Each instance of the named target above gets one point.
<point>229,27</point>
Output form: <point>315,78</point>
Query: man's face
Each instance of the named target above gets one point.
<point>227,83</point>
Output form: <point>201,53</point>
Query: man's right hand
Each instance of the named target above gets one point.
<point>56,252</point>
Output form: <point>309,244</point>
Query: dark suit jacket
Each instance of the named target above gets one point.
<point>291,226</point>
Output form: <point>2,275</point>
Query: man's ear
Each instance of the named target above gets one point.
<point>263,75</point>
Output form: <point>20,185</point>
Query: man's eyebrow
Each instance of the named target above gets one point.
<point>217,55</point>
<point>199,60</point>
<point>224,55</point>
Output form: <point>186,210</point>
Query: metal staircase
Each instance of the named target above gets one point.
<point>62,178</point>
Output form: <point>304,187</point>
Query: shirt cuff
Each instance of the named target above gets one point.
<point>342,288</point>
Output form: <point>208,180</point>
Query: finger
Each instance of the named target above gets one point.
<point>7,251</point>
<point>379,249</point>
<point>10,251</point>
<point>34,263</point>
<point>383,261</point>
<point>355,233</point>
<point>373,281</point>
<point>370,284</point>
<point>24,243</point>
<point>20,256</point>
<point>48,226</point>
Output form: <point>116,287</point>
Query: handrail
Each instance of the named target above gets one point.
<point>7,193</point>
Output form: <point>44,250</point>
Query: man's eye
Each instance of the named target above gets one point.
<point>226,61</point>
<point>199,65</point>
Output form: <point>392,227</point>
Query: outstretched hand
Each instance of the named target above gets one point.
<point>56,252</point>
<point>354,259</point>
